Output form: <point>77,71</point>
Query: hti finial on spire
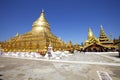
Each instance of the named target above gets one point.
<point>101,27</point>
<point>42,10</point>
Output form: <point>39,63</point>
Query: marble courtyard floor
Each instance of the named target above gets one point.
<point>74,67</point>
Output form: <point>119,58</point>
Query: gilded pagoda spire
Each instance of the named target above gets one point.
<point>41,24</point>
<point>103,36</point>
<point>102,32</point>
<point>90,33</point>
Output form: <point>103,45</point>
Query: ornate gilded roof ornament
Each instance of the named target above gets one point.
<point>90,33</point>
<point>91,38</point>
<point>102,32</point>
<point>103,36</point>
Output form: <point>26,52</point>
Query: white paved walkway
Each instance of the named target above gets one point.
<point>65,61</point>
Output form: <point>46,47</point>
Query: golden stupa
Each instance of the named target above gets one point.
<point>37,39</point>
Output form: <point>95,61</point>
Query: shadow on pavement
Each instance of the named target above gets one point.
<point>116,56</point>
<point>0,76</point>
